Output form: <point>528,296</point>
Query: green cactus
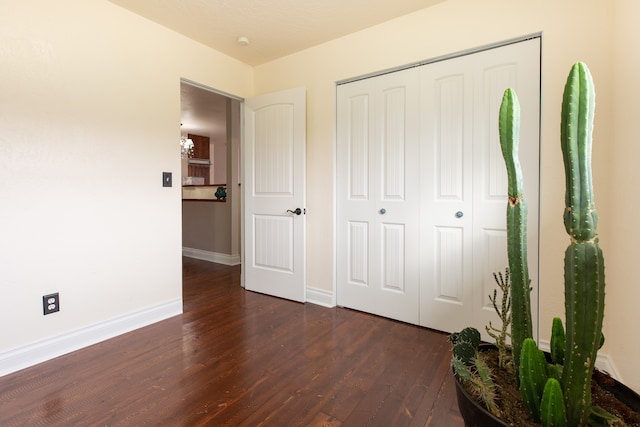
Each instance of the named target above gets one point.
<point>584,262</point>
<point>557,394</point>
<point>504,312</point>
<point>486,388</point>
<point>465,352</point>
<point>557,341</point>
<point>533,376</point>
<point>469,366</point>
<point>465,344</point>
<point>470,335</point>
<point>557,349</point>
<point>552,413</point>
<point>478,381</point>
<point>509,129</point>
<point>601,418</point>
<point>461,369</point>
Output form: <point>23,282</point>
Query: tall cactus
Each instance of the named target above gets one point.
<point>509,129</point>
<point>584,263</point>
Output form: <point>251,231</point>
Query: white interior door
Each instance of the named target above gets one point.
<point>274,188</point>
<point>464,181</point>
<point>378,195</point>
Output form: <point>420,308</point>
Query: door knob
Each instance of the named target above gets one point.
<point>459,214</point>
<point>298,211</point>
<point>383,211</point>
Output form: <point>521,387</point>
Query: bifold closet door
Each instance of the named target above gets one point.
<point>464,184</point>
<point>422,188</point>
<point>378,195</point>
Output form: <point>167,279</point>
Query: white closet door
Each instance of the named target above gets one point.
<point>378,195</point>
<point>464,185</point>
<point>446,199</point>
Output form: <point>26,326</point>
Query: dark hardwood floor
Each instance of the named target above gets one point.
<point>237,358</point>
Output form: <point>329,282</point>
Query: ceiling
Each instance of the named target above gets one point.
<point>274,28</point>
<point>203,112</point>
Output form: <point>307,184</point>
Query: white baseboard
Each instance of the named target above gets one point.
<point>211,256</point>
<point>47,349</point>
<point>320,297</point>
<point>603,361</point>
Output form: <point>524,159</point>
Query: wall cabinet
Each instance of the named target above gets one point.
<point>199,165</point>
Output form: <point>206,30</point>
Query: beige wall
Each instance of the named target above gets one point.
<point>622,253</point>
<point>89,120</point>
<point>572,30</point>
<point>206,226</point>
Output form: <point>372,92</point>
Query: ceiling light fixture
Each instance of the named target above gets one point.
<point>243,41</point>
<point>186,147</point>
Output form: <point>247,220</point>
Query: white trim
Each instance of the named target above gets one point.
<point>603,361</point>
<point>445,57</point>
<point>211,256</point>
<point>209,89</point>
<point>49,348</point>
<point>320,297</point>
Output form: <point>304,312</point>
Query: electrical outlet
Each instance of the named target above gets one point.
<point>50,303</point>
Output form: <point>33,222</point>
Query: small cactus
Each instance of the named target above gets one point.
<point>465,352</point>
<point>465,345</point>
<point>504,312</point>
<point>552,413</point>
<point>557,341</point>
<point>461,369</point>
<point>486,388</point>
<point>470,335</point>
<point>533,376</point>
<point>469,366</point>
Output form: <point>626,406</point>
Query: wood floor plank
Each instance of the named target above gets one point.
<point>237,358</point>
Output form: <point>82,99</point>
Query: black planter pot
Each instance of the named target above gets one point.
<point>475,415</point>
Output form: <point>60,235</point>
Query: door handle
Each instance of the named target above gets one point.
<point>298,211</point>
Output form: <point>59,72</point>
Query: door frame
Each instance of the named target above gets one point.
<point>236,212</point>
<point>237,230</point>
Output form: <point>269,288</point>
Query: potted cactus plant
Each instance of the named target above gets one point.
<point>555,388</point>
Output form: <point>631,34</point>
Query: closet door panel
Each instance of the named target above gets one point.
<point>516,66</point>
<point>446,291</point>
<point>357,140</point>
<point>465,181</point>
<point>377,187</point>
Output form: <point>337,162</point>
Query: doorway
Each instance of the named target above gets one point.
<point>210,216</point>
<point>273,167</point>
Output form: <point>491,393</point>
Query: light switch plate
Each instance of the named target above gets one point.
<point>166,179</point>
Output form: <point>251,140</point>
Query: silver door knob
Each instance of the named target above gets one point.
<point>459,214</point>
<point>383,211</point>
